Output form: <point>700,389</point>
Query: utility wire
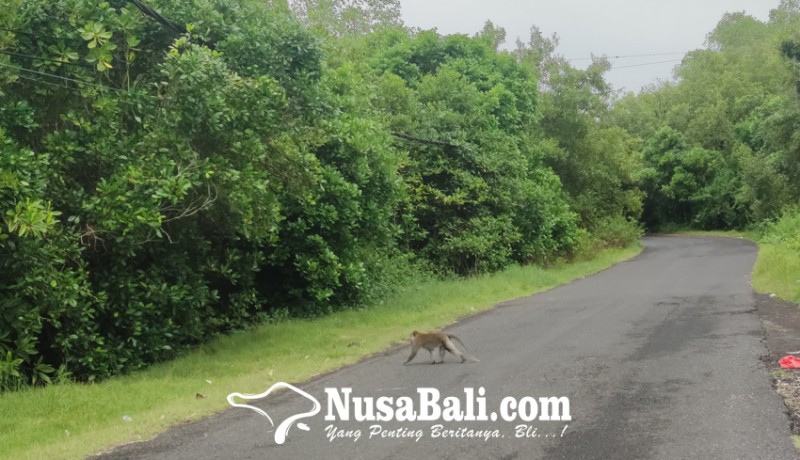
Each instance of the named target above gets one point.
<point>158,17</point>
<point>167,23</point>
<point>45,74</point>
<point>626,56</point>
<point>57,85</point>
<point>11,53</point>
<point>17,31</point>
<point>73,80</point>
<point>45,82</point>
<point>645,64</point>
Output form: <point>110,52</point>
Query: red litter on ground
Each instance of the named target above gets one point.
<point>789,362</point>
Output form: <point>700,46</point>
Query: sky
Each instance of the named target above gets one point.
<point>644,39</point>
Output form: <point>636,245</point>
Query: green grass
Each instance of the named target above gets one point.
<point>781,373</point>
<point>719,233</point>
<point>75,420</point>
<point>777,271</point>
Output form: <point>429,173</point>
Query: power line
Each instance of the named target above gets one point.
<point>57,85</point>
<point>60,77</point>
<point>45,82</point>
<point>169,24</point>
<point>11,53</point>
<point>645,64</point>
<point>73,80</point>
<point>17,31</point>
<point>629,56</point>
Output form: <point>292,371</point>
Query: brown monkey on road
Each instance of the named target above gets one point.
<point>432,340</point>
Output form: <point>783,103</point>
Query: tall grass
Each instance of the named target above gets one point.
<point>73,420</point>
<point>778,267</point>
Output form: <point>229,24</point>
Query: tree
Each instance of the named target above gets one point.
<point>719,146</point>
<point>150,181</point>
<point>479,196</point>
<point>347,17</point>
<point>595,161</point>
<point>495,35</point>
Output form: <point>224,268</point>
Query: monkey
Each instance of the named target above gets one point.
<point>431,340</point>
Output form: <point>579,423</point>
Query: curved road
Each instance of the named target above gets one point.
<point>659,357</point>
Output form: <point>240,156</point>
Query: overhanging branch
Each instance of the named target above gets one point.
<point>408,137</point>
<point>172,25</point>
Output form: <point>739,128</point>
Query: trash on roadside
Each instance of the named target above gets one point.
<point>790,362</point>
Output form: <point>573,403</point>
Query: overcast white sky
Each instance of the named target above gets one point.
<point>600,27</point>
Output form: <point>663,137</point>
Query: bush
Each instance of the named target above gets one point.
<point>784,231</point>
<point>145,209</point>
<point>616,232</point>
<point>172,187</point>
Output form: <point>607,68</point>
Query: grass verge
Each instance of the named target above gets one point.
<point>74,420</point>
<point>719,233</point>
<point>777,271</point>
<point>778,268</point>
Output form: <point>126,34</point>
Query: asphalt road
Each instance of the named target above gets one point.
<point>659,357</point>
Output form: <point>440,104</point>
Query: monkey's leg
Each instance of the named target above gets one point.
<point>441,353</point>
<point>433,359</point>
<point>452,349</point>
<point>411,356</point>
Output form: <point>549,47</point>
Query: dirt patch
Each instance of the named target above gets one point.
<point>781,322</point>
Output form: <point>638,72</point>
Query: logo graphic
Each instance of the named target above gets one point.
<point>453,415</point>
<point>282,430</point>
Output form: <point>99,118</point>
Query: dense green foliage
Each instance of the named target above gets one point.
<point>595,159</point>
<point>160,184</point>
<point>485,199</point>
<point>245,161</point>
<point>156,191</point>
<point>784,231</point>
<point>720,147</point>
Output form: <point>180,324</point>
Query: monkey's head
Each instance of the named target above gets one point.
<point>414,334</point>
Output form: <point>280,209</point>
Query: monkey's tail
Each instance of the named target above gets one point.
<point>453,337</point>
<point>466,355</point>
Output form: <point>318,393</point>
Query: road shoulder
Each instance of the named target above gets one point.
<point>781,325</point>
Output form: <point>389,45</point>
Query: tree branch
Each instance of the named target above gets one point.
<point>166,22</point>
<point>408,137</point>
